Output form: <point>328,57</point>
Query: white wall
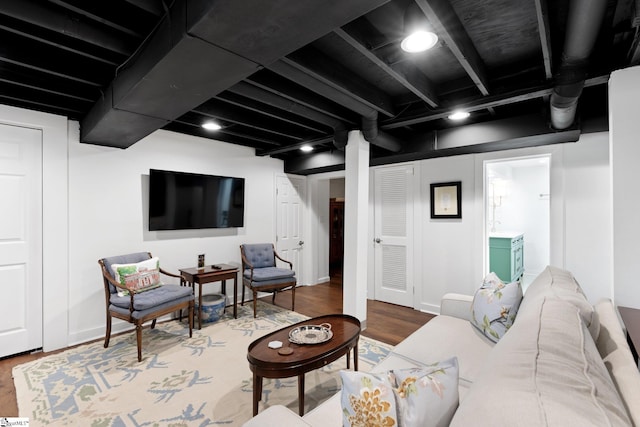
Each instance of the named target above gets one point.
<point>624,92</point>
<point>108,213</point>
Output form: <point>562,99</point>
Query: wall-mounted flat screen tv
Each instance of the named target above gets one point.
<point>181,200</point>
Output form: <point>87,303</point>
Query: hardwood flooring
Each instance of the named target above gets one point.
<point>388,323</point>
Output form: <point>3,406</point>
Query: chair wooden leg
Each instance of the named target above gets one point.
<point>273,297</point>
<point>255,302</point>
<point>293,298</point>
<point>191,310</point>
<point>242,300</point>
<point>153,324</point>
<point>107,334</point>
<point>139,340</point>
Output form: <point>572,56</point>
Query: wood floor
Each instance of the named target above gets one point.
<point>385,322</point>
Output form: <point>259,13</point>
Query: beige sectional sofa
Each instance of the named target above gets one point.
<point>564,362</point>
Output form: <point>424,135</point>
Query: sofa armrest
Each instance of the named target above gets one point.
<point>276,416</point>
<point>456,305</point>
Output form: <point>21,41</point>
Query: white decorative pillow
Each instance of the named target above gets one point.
<point>139,276</point>
<point>367,400</point>
<point>426,396</point>
<point>495,306</point>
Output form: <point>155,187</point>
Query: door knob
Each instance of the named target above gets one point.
<point>377,240</point>
<point>300,243</point>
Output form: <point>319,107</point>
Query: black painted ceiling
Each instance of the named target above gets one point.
<point>282,73</point>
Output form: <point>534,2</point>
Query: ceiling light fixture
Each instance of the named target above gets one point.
<point>419,41</point>
<point>458,115</point>
<point>211,126</point>
<point>418,30</point>
<point>306,148</point>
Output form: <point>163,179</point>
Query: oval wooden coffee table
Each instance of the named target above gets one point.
<point>266,362</point>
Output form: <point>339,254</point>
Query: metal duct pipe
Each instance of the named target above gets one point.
<point>340,136</point>
<point>584,21</point>
<point>377,137</point>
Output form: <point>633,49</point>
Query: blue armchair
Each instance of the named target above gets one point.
<point>261,274</point>
<point>136,295</point>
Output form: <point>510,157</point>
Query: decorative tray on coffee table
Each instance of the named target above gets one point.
<point>311,334</point>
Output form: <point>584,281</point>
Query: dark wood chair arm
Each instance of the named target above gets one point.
<point>111,280</point>
<point>246,264</point>
<point>284,260</point>
<point>165,272</point>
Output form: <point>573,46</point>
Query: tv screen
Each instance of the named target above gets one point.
<point>180,201</point>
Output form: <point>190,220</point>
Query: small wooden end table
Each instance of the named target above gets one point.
<point>266,362</point>
<point>208,274</point>
<point>631,319</point>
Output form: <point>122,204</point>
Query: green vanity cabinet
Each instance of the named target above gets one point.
<point>506,256</point>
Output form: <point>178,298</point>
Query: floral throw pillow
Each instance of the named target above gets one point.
<point>495,306</point>
<point>138,277</point>
<point>426,396</point>
<point>367,400</point>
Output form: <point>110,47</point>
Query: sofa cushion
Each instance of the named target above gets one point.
<point>426,396</point>
<point>269,273</point>
<point>617,357</point>
<point>557,283</point>
<point>367,400</point>
<point>444,337</point>
<point>495,306</point>
<point>546,371</point>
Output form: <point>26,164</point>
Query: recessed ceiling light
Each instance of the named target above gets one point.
<point>419,41</point>
<point>458,115</point>
<point>306,148</point>
<point>211,126</point>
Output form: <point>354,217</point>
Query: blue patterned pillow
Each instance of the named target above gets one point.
<point>367,400</point>
<point>426,396</point>
<point>495,306</point>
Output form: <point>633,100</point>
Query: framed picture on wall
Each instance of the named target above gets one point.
<point>446,200</point>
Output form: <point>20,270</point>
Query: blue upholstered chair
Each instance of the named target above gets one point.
<point>261,274</point>
<point>140,305</point>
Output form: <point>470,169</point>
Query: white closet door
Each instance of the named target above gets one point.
<point>393,228</point>
<point>20,239</point>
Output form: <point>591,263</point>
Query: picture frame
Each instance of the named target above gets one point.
<point>446,200</point>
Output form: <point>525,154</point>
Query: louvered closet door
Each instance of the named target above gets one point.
<point>393,238</point>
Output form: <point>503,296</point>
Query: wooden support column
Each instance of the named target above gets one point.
<point>356,218</point>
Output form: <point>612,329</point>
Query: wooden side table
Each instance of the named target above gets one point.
<point>208,274</point>
<point>631,319</point>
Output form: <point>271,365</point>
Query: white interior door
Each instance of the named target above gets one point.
<point>20,239</point>
<point>290,191</point>
<point>393,228</point>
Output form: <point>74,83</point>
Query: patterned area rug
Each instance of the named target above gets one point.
<point>201,381</point>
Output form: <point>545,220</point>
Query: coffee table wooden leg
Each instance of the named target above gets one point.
<point>348,359</point>
<point>355,357</point>
<point>257,392</point>
<point>301,394</point>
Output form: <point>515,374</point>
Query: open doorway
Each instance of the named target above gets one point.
<point>336,229</point>
<point>517,212</point>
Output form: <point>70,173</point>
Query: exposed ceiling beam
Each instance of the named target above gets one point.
<point>448,26</point>
<point>320,74</point>
<point>54,62</point>
<point>542,13</point>
<point>96,18</point>
<point>264,109</point>
<point>301,95</point>
<point>154,7</point>
<point>415,82</point>
<point>251,120</point>
<point>69,47</point>
<point>296,146</point>
<point>484,103</point>
<point>283,103</point>
<point>43,15</point>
